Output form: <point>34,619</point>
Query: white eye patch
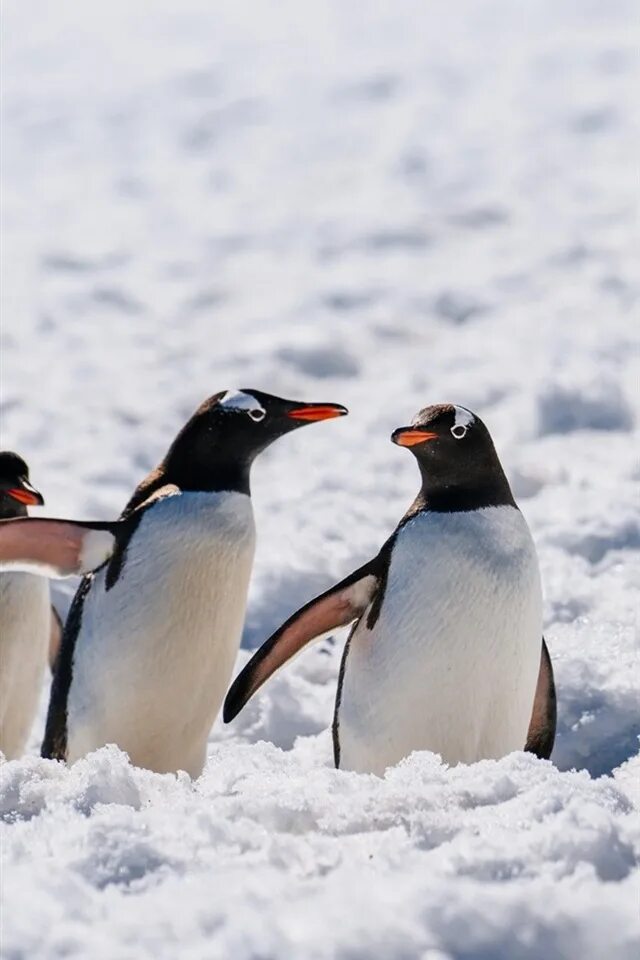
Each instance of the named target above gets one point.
<point>463,420</point>
<point>243,402</point>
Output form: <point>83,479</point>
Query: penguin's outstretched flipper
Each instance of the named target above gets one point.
<point>337,607</point>
<point>542,729</point>
<point>55,548</point>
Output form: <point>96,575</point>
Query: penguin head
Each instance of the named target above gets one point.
<point>454,450</point>
<point>230,429</point>
<point>248,420</point>
<point>16,491</point>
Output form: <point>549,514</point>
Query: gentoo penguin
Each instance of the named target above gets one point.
<point>26,620</point>
<point>447,652</point>
<point>151,638</point>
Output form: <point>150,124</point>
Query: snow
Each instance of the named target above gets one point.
<point>383,206</point>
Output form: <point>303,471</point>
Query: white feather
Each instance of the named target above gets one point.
<point>452,661</point>
<point>237,400</point>
<point>97,546</point>
<point>463,418</point>
<point>154,653</point>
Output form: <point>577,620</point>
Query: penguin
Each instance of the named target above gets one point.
<point>152,636</point>
<point>27,621</point>
<point>446,653</point>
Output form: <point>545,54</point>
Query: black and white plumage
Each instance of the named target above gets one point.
<point>447,651</point>
<point>152,637</point>
<point>26,619</point>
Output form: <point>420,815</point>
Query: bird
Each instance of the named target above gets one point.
<point>29,624</point>
<point>446,653</point>
<point>152,636</point>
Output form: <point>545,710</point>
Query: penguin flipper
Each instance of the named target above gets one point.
<point>337,607</point>
<point>542,728</point>
<point>55,548</point>
<point>54,744</point>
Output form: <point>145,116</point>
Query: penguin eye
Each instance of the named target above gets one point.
<point>459,431</point>
<point>257,414</point>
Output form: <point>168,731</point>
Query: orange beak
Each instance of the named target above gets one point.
<point>410,436</point>
<point>32,499</point>
<point>317,411</point>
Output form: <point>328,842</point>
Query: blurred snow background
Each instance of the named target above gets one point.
<point>385,205</point>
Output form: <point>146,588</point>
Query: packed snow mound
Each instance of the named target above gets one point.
<point>275,854</point>
<point>386,209</point>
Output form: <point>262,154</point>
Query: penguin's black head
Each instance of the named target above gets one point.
<point>217,446</point>
<point>16,492</point>
<point>457,459</point>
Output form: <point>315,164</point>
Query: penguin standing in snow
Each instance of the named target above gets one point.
<point>447,653</point>
<point>28,622</point>
<point>151,637</point>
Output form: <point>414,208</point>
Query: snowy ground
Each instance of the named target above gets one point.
<point>386,205</point>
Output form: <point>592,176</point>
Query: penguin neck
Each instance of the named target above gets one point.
<point>231,476</point>
<point>204,461</point>
<point>10,509</point>
<point>439,495</point>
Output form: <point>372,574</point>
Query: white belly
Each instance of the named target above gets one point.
<point>155,653</point>
<point>25,623</point>
<point>451,663</point>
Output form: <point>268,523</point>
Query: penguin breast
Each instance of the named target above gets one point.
<point>450,664</point>
<point>25,621</point>
<point>155,652</point>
